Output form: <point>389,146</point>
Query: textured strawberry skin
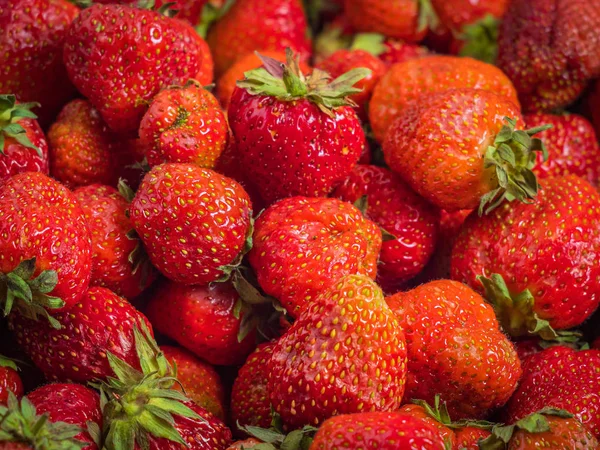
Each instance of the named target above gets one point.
<point>455,14</point>
<point>563,433</point>
<point>10,381</point>
<point>17,158</point>
<point>419,412</point>
<point>468,438</point>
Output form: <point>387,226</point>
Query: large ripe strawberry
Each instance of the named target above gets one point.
<point>409,80</point>
<point>304,245</point>
<point>194,222</point>
<point>23,146</point>
<point>202,319</point>
<point>10,381</point>
<point>184,124</point>
<point>120,57</point>
<point>446,152</point>
<point>344,354</point>
<point>45,245</point>
<point>257,25</point>
<point>31,60</point>
<point>538,261</point>
<point>572,146</point>
<point>451,333</point>
<point>550,49</point>
<point>392,205</point>
<point>299,135</point>
<point>428,415</point>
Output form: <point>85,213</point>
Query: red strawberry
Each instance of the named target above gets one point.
<point>33,32</point>
<point>201,319</point>
<point>468,438</point>
<point>119,263</point>
<point>23,147</point>
<point>539,258</point>
<point>257,25</point>
<point>10,381</point>
<point>194,222</point>
<point>246,444</point>
<point>250,403</point>
<point>304,245</point>
<point>298,140</point>
<point>451,334</point>
<point>422,413</point>
<point>45,245</point>
<point>120,57</point>
<point>550,50</point>
<point>184,125</point>
<point>396,51</point>
<point>456,14</point>
<point>399,211</point>
<point>344,354</point>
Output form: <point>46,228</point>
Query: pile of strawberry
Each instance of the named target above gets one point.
<point>299,225</point>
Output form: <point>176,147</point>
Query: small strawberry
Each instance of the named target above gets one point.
<point>344,354</point>
<point>397,51</point>
<point>184,125</point>
<point>469,438</point>
<point>246,444</point>
<point>450,333</point>
<point>304,245</point>
<point>10,381</point>
<point>194,222</point>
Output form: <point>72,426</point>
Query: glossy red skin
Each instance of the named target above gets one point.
<point>419,412</point>
<point>31,64</point>
<point>393,206</point>
<point>572,145</point>
<point>455,349</point>
<point>293,148</point>
<point>184,125</point>
<point>101,322</point>
<point>36,214</point>
<point>550,49</point>
<point>188,10</point>
<point>381,430</point>
<point>397,51</point>
<point>176,201</point>
<point>545,247</point>
<point>563,378</point>
<point>121,89</point>
<point>256,25</point>
<point>105,211</point>
<point>563,433</point>
<point>250,402</point>
<point>17,158</point>
<point>326,238</point>
<point>70,403</point>
<point>200,380</point>
<point>344,354</point>
<point>468,438</point>
<point>201,319</point>
<point>455,14</point>
<point>10,381</point>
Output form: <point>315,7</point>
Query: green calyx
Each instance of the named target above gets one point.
<point>20,423</point>
<point>480,39</point>
<point>513,155</point>
<point>20,290</point>
<point>8,362</point>
<point>287,83</point>
<point>369,42</point>
<point>10,115</point>
<point>210,15</point>
<point>275,438</point>
<point>230,268</point>
<point>428,19</point>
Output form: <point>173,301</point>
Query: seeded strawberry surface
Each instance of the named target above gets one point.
<point>16,158</point>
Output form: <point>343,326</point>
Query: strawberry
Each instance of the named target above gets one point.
<point>194,222</point>
<point>106,55</point>
<point>549,49</point>
<point>203,320</point>
<point>10,381</point>
<point>119,262</point>
<point>45,245</point>
<point>456,14</point>
<point>381,430</point>
<point>258,25</point>
<point>393,206</point>
<point>23,146</point>
<point>360,362</point>
<point>559,377</point>
<point>246,444</point>
<point>277,105</point>
<point>397,51</point>
<point>485,161</point>
<point>199,380</point>
<point>423,413</point>
<point>250,403</point>
<point>441,312</point>
<point>409,80</point>
<point>535,262</point>
<point>32,51</point>
<point>102,322</point>
<point>572,146</point>
<point>184,125</point>
<point>304,245</point>
<point>469,438</point>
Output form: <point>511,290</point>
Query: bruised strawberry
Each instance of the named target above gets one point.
<point>10,381</point>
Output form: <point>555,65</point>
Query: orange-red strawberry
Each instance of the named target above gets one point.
<point>420,412</point>
<point>10,381</point>
<point>456,14</point>
<point>184,125</point>
<point>397,51</point>
<point>194,222</point>
<point>304,245</point>
<point>344,354</point>
<point>539,258</point>
<point>468,438</point>
<point>451,333</point>
<point>409,80</point>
